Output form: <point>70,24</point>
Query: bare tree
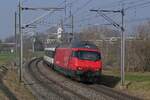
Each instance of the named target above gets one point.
<point>1,41</point>
<point>100,36</point>
<point>138,50</point>
<point>98,33</point>
<point>143,31</point>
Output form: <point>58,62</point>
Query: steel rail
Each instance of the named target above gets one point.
<point>45,85</point>
<point>59,84</point>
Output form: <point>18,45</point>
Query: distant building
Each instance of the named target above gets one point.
<point>7,47</point>
<point>67,37</point>
<point>51,40</point>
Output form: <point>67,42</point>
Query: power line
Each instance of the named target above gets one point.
<point>137,1</point>
<point>48,13</point>
<point>113,4</point>
<point>44,8</point>
<point>69,4</point>
<point>133,2</point>
<point>120,1</point>
<point>121,27</point>
<point>79,9</point>
<point>84,19</point>
<point>137,5</point>
<point>138,20</point>
<point>87,18</point>
<point>125,3</point>
<point>83,6</point>
<point>42,16</point>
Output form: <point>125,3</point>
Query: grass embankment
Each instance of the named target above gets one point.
<point>16,88</point>
<point>10,88</point>
<point>39,54</point>
<point>29,55</point>
<point>6,58</point>
<point>137,83</point>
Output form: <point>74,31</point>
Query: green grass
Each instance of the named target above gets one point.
<point>39,54</point>
<point>137,83</point>
<point>131,76</point>
<point>6,57</point>
<point>138,77</point>
<point>29,55</point>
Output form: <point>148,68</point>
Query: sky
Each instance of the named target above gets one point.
<point>7,7</point>
<point>80,9</point>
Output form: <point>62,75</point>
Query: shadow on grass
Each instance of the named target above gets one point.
<point>108,80</point>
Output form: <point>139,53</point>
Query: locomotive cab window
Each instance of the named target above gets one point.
<point>50,53</point>
<point>87,55</point>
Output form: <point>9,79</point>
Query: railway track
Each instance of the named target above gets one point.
<point>52,86</point>
<point>37,87</point>
<point>117,95</point>
<point>60,85</point>
<point>3,71</point>
<point>113,93</point>
<point>64,88</point>
<point>35,74</point>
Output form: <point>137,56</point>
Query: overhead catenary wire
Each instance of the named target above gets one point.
<point>137,5</point>
<point>42,16</point>
<point>87,18</point>
<point>35,21</point>
<point>132,2</point>
<point>79,9</point>
<point>137,20</point>
<point>128,3</point>
<point>83,6</point>
<point>74,1</point>
<point>115,3</point>
<point>135,2</point>
<point>110,5</point>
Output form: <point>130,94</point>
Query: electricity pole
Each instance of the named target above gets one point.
<point>33,42</point>
<point>42,16</point>
<point>20,9</point>
<point>65,7</point>
<point>16,35</point>
<point>21,43</point>
<point>122,50</point>
<point>72,24</point>
<point>121,27</point>
<point>72,21</point>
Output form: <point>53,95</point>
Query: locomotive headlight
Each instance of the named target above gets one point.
<point>79,68</point>
<point>97,69</point>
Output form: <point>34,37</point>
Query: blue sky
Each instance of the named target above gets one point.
<point>80,8</point>
<point>6,17</point>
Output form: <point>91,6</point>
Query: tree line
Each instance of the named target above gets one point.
<point>137,56</point>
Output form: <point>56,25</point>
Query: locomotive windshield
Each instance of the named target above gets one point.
<point>87,55</point>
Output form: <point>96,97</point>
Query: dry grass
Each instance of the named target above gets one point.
<point>10,88</point>
<point>19,90</point>
<point>3,96</point>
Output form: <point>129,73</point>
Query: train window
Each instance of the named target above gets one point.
<point>49,53</point>
<point>46,53</point>
<point>87,55</point>
<point>75,54</point>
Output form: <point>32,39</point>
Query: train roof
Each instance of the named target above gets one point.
<point>80,44</point>
<point>49,49</point>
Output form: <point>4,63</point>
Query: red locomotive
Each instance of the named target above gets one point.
<point>79,60</point>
